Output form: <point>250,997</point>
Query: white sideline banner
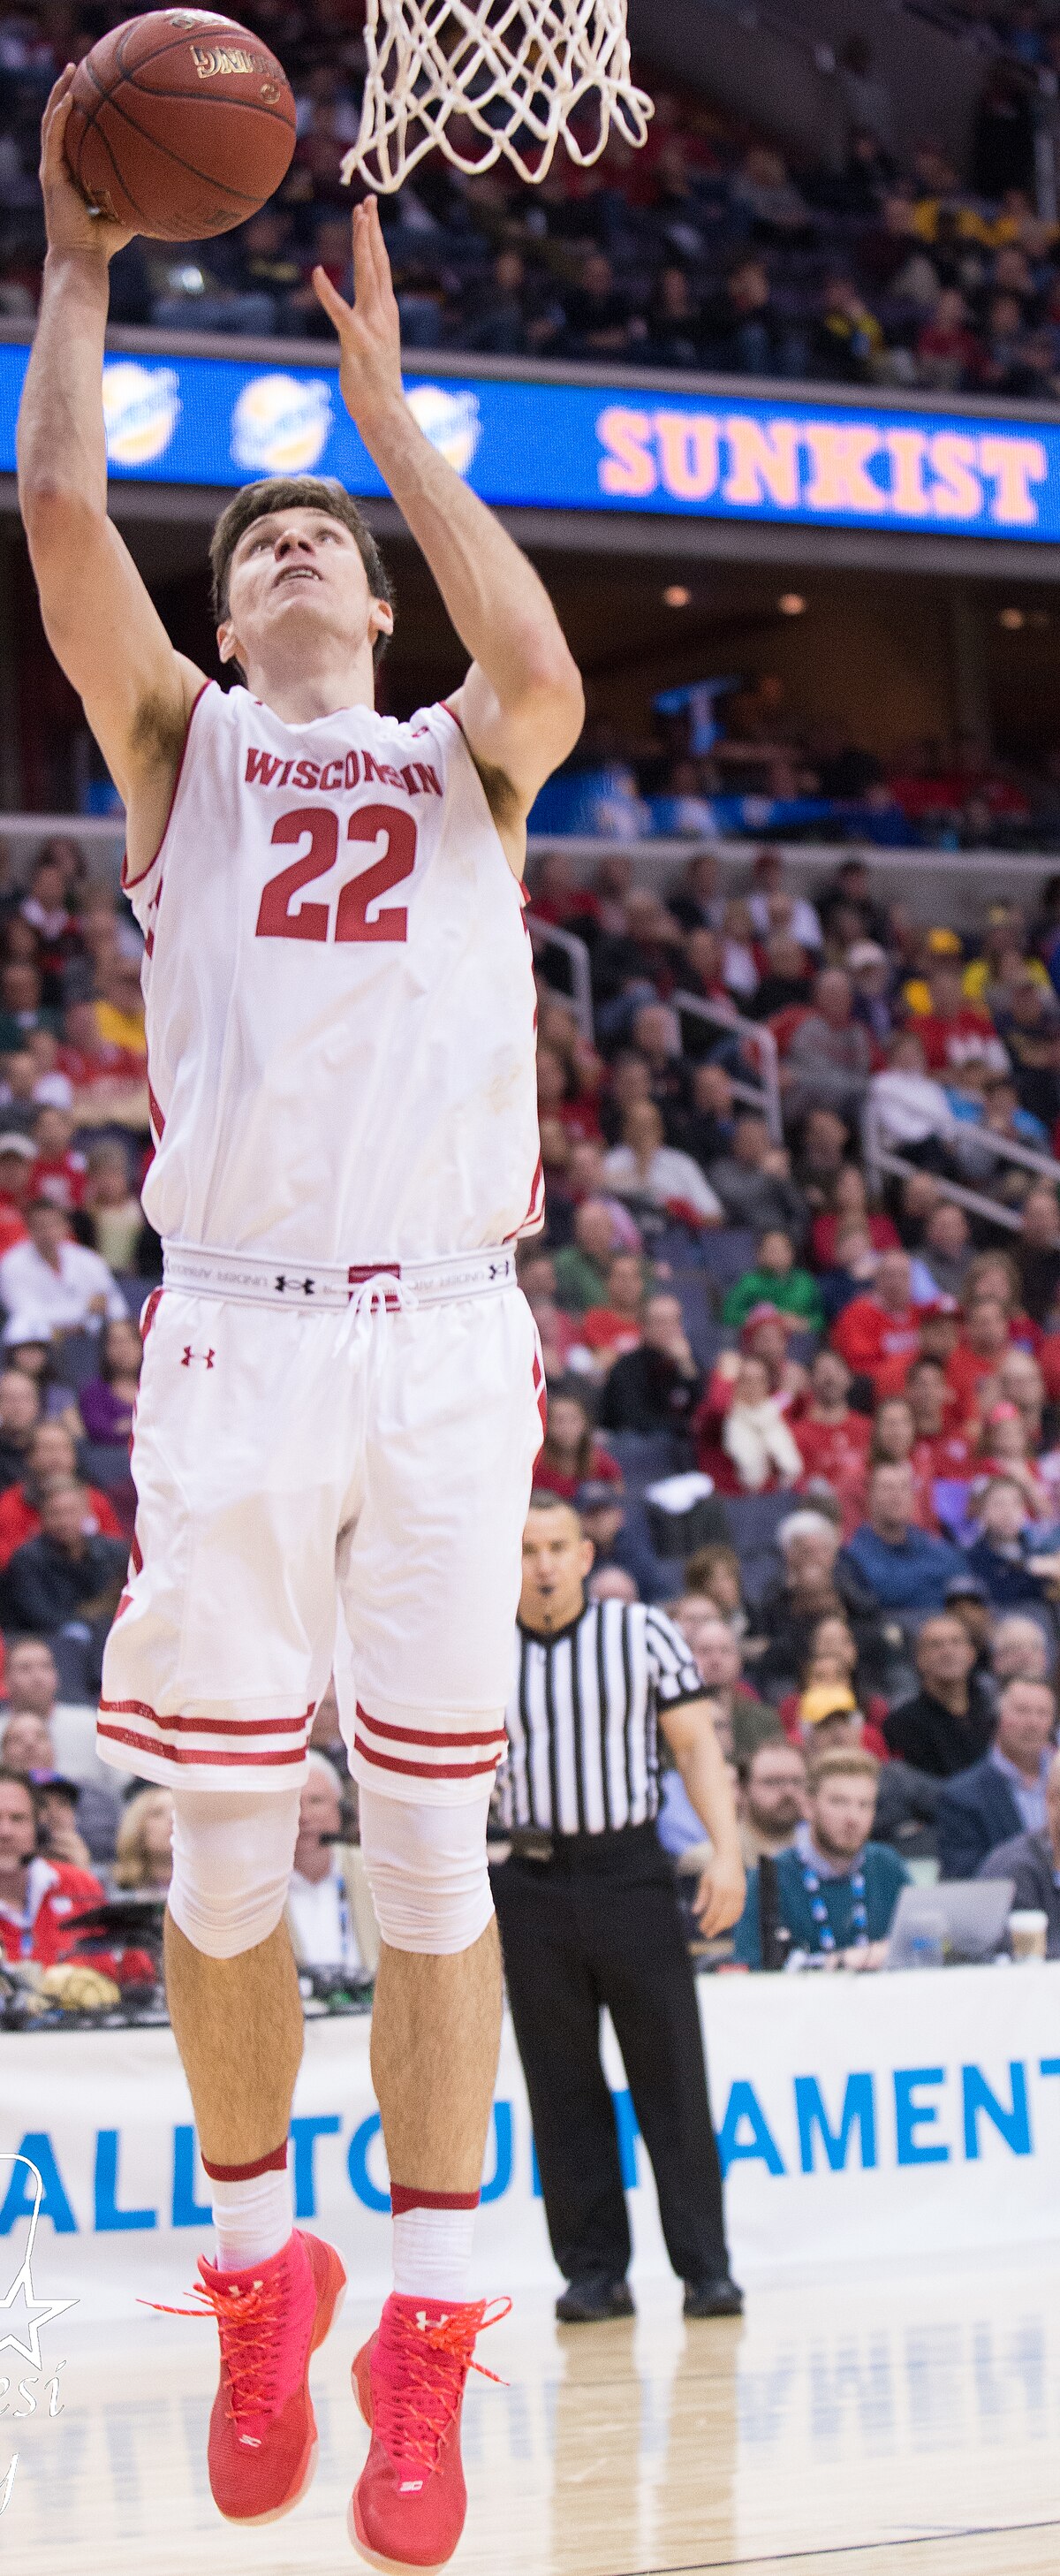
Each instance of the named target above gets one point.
<point>859,2117</point>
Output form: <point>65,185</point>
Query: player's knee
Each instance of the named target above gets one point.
<point>232,1859</point>
<point>427,1870</point>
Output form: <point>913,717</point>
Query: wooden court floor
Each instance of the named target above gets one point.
<point>854,2425</point>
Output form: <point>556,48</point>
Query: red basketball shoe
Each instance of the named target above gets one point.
<point>407,2508</point>
<point>271,2317</point>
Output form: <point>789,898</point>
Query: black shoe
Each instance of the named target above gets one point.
<point>720,2298</point>
<point>593,2302</point>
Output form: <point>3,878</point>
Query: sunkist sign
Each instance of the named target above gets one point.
<point>823,467</point>
<point>805,461</point>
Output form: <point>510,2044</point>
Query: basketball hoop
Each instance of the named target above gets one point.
<point>517,72</point>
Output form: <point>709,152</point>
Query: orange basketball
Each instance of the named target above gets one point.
<point>181,123</point>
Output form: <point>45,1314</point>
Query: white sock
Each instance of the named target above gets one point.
<point>253,2219</point>
<point>432,2253</point>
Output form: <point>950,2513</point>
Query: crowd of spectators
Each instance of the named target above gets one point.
<point>860,1373</point>
<point>707,249</point>
<point>755,764</point>
<point>863,1372</point>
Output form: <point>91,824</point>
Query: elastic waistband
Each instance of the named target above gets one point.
<point>393,1286</point>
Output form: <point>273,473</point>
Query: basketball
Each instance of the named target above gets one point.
<point>181,124</point>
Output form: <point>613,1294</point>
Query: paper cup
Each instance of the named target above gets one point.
<point>1028,1932</point>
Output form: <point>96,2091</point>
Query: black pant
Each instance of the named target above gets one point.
<point>599,1924</point>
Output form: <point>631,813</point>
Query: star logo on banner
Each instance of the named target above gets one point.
<point>35,2312</point>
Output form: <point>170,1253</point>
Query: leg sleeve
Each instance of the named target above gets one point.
<point>232,1859</point>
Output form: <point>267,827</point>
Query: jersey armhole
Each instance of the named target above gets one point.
<point>129,884</point>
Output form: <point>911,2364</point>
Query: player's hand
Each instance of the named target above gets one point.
<point>370,329</point>
<point>70,224</point>
<point>719,1897</point>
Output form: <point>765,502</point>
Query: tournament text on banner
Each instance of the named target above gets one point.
<point>859,2119</point>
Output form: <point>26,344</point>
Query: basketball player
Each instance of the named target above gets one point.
<point>339,1408</point>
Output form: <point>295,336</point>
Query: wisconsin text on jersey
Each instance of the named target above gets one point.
<point>333,777</point>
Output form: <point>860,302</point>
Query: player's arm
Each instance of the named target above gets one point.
<point>521,705</point>
<point>689,1732</point>
<point>101,624</point>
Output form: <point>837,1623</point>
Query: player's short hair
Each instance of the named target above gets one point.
<point>294,492</point>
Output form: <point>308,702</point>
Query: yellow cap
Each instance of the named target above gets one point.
<point>826,1699</point>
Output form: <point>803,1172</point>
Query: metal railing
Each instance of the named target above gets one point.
<point>996,1211</point>
<point>966,1143</point>
<point>543,936</point>
<point>763,1095</point>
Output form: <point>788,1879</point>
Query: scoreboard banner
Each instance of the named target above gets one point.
<point>535,445</point>
<point>858,2118</point>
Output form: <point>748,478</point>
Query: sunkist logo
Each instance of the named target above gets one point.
<point>141,408</point>
<point>281,424</point>
<point>450,421</point>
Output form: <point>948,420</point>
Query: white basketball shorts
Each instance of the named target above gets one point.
<point>298,1466</point>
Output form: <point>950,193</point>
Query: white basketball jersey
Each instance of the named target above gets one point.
<point>339,990</point>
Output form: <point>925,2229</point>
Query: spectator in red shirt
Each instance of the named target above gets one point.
<point>849,1204</point>
<point>946,350</point>
<point>41,1899</point>
<point>893,1444</point>
<point>58,1172</point>
<point>984,1339</point>
<point>109,1080</point>
<point>578,1116</point>
<point>557,1027</point>
<point>955,1029</point>
<point>613,1328</point>
<point>16,1169</point>
<point>570,1454</point>
<point>833,1440</point>
<point>51,1458</point>
<point>557,897</point>
<point>879,1333</point>
<point>941,1452</point>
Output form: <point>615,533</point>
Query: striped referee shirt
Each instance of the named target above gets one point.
<point>581,1722</point>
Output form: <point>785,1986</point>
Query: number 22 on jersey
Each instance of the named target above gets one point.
<point>320,824</point>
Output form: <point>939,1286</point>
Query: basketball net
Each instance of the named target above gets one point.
<point>512,73</point>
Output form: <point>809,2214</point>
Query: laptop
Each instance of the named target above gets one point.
<point>964,1918</point>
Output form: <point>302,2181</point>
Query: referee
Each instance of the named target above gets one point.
<point>588,1916</point>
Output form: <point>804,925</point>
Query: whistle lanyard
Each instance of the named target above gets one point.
<point>826,1939</point>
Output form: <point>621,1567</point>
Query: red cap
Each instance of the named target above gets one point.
<point>765,1313</point>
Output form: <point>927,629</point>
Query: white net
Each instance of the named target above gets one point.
<point>478,78</point>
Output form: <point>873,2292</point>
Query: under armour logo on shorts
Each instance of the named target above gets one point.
<point>190,1355</point>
